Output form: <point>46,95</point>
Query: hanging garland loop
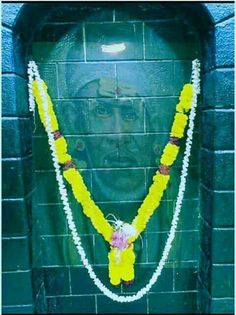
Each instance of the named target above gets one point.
<point>121,256</point>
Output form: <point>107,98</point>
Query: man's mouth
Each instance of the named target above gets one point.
<point>114,159</point>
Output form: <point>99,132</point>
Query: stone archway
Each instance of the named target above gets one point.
<point>17,189</point>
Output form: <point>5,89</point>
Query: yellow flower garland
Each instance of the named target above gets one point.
<point>123,267</point>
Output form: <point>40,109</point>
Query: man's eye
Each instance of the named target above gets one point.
<point>103,111</point>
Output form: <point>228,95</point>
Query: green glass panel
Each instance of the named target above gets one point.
<point>18,282</point>
<point>181,303</point>
<point>105,305</point>
<point>164,40</point>
<point>72,305</point>
<point>128,34</point>
<point>16,254</point>
<point>115,110</point>
<point>222,281</point>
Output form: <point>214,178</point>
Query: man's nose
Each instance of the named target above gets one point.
<point>117,121</point>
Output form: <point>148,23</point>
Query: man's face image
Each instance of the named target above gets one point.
<point>114,108</point>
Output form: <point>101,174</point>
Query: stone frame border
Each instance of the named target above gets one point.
<point>217,155</point>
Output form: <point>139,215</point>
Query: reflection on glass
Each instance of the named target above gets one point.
<point>113,48</point>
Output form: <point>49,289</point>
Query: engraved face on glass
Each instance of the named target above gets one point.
<point>101,114</point>
<point>114,93</point>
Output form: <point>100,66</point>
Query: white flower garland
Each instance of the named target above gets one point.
<point>195,78</point>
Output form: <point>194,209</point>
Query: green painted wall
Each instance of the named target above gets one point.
<point>116,113</point>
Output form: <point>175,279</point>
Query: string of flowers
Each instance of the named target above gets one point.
<point>33,72</point>
<point>121,235</point>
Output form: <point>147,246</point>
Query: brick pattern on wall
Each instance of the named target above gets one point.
<point>216,271</point>
<point>16,180</point>
<point>141,87</point>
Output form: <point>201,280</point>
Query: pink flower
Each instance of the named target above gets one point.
<point>119,240</point>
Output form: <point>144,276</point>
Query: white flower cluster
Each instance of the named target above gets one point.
<point>31,76</point>
<point>33,71</point>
